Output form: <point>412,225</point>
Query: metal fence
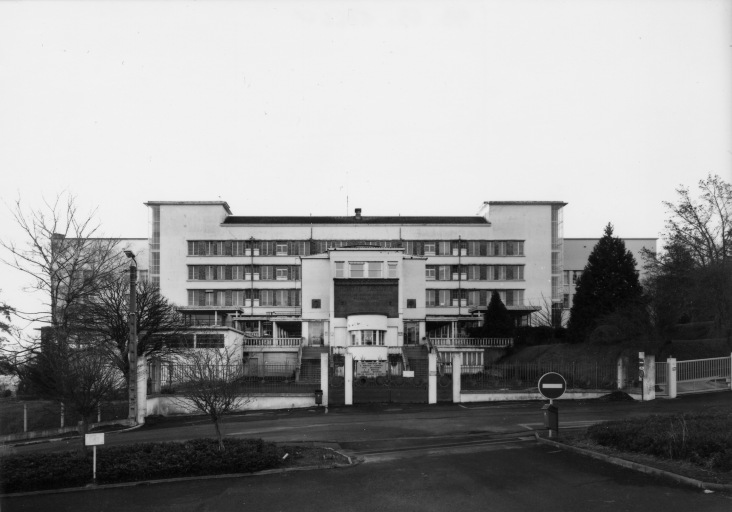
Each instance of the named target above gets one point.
<point>703,374</point>
<point>247,378</point>
<point>26,415</point>
<point>525,376</point>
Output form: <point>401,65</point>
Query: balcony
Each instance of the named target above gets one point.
<point>272,342</point>
<point>472,342</point>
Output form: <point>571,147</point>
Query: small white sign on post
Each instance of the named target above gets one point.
<point>94,440</point>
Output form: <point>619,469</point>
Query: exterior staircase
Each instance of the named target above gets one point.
<point>418,359</point>
<point>310,363</point>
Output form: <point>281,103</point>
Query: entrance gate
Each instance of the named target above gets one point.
<point>383,382</point>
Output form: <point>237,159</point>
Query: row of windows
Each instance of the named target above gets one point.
<point>197,341</point>
<point>370,269</point>
<point>243,272</point>
<point>440,298</point>
<point>244,297</point>
<point>474,272</point>
<point>307,247</point>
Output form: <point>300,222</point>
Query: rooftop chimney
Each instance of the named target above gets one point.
<point>358,213</point>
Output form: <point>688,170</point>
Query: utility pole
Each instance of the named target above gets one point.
<point>132,343</point>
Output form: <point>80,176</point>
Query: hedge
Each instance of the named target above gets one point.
<point>146,461</point>
<point>705,440</point>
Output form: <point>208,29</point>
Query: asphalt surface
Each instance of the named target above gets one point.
<point>472,456</point>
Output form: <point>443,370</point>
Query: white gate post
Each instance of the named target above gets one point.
<point>324,378</point>
<point>457,368</point>
<point>432,378</point>
<point>141,389</point>
<point>649,379</point>
<point>349,379</point>
<point>622,371</point>
<point>671,377</point>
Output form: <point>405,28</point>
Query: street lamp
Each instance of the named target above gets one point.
<point>132,344</point>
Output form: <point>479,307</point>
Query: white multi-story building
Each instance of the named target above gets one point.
<point>366,285</point>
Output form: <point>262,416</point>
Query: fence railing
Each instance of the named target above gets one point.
<point>247,378</point>
<point>703,374</point>
<point>21,415</point>
<point>272,342</point>
<point>525,376</point>
<point>472,342</point>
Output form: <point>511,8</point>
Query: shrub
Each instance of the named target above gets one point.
<point>148,461</point>
<point>705,440</point>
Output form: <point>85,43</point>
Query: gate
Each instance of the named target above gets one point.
<point>389,385</point>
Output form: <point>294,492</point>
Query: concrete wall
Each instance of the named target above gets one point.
<point>170,405</point>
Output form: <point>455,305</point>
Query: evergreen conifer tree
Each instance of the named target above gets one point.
<point>608,283</point>
<point>498,322</point>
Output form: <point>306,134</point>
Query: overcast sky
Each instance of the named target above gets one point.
<point>396,107</point>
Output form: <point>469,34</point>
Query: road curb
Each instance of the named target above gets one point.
<point>699,484</point>
<point>351,462</point>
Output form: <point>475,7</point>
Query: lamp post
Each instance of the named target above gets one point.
<point>132,343</point>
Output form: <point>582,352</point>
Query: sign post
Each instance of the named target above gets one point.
<point>642,372</point>
<point>94,440</point>
<point>552,385</point>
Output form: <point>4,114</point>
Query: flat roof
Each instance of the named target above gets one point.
<point>353,220</point>
<point>194,203</point>
<point>526,203</point>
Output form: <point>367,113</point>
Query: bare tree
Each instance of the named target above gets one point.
<point>65,260</point>
<point>696,264</point>
<point>80,377</point>
<point>159,324</point>
<point>211,384</point>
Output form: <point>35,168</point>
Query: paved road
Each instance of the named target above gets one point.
<point>477,457</point>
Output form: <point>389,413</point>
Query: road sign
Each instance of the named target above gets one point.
<point>552,385</point>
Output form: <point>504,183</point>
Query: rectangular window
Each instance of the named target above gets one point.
<point>282,273</point>
<point>411,303</point>
<point>266,272</point>
<point>281,249</point>
<point>409,248</point>
<point>474,272</point>
<point>392,265</point>
<point>443,272</point>
<point>238,298</point>
<point>357,269</point>
<point>282,298</point>
<point>443,248</point>
<point>473,298</point>
<point>473,248</point>
<point>210,299</point>
<point>374,269</point>
<point>315,304</point>
<point>209,341</point>
<point>237,272</point>
<point>430,248</point>
<point>430,298</point>
<point>443,297</point>
<point>340,269</point>
<point>266,297</point>
<point>266,248</point>
<point>430,273</point>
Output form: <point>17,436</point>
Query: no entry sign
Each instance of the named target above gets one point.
<point>552,385</point>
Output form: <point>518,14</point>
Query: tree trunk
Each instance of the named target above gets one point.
<point>83,428</point>
<point>218,434</point>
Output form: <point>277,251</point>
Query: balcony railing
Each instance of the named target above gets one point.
<point>271,342</point>
<point>472,342</point>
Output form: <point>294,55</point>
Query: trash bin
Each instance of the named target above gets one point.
<point>551,418</point>
<point>318,397</point>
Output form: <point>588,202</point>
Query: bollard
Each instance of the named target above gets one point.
<point>25,417</point>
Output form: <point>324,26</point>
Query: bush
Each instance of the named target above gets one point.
<point>705,440</point>
<point>148,461</point>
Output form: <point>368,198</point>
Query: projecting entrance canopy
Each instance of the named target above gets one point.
<point>366,322</point>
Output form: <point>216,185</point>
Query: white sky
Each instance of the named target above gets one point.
<point>405,107</point>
